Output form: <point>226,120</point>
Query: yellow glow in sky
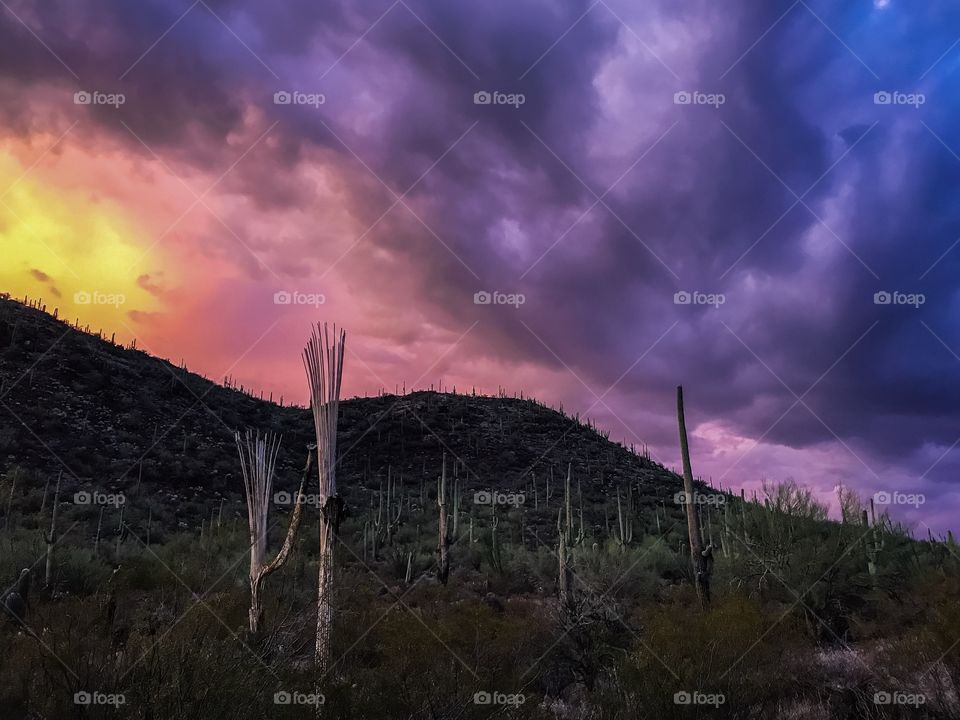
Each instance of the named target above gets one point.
<point>76,251</point>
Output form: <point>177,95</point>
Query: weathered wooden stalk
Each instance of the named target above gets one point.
<point>258,456</point>
<point>701,559</point>
<point>443,550</point>
<point>51,537</point>
<point>323,362</point>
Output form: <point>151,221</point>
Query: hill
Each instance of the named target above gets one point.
<point>142,597</point>
<point>118,420</point>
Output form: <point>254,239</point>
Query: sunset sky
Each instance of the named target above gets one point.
<point>776,163</point>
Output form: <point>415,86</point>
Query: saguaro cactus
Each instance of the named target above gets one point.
<point>51,537</point>
<point>563,576</point>
<point>870,547</point>
<point>323,362</point>
<point>702,559</point>
<point>443,543</point>
<point>258,455</point>
<point>625,524</point>
<point>495,560</point>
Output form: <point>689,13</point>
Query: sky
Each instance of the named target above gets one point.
<point>588,202</point>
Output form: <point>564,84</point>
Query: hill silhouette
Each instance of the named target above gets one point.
<point>118,420</point>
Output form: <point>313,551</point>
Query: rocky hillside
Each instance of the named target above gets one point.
<point>113,417</point>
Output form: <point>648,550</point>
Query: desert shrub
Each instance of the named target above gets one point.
<point>734,649</point>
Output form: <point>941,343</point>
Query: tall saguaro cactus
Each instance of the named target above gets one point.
<point>51,537</point>
<point>700,558</point>
<point>443,540</point>
<point>258,455</point>
<point>563,575</point>
<point>625,524</point>
<point>323,362</point>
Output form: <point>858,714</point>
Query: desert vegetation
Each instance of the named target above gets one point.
<point>458,556</point>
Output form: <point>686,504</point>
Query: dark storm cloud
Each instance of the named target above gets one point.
<point>712,206</point>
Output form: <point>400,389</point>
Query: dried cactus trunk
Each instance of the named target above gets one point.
<point>547,495</point>
<point>725,535</point>
<point>701,559</point>
<point>456,506</point>
<point>743,516</point>
<point>625,523</point>
<point>563,578</point>
<point>52,535</point>
<point>366,532</point>
<point>323,362</point>
<point>387,521</point>
<point>870,548</point>
<point>443,550</point>
<point>495,545</point>
<point>258,456</point>
<point>96,543</point>
<point>46,489</point>
<point>13,487</point>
